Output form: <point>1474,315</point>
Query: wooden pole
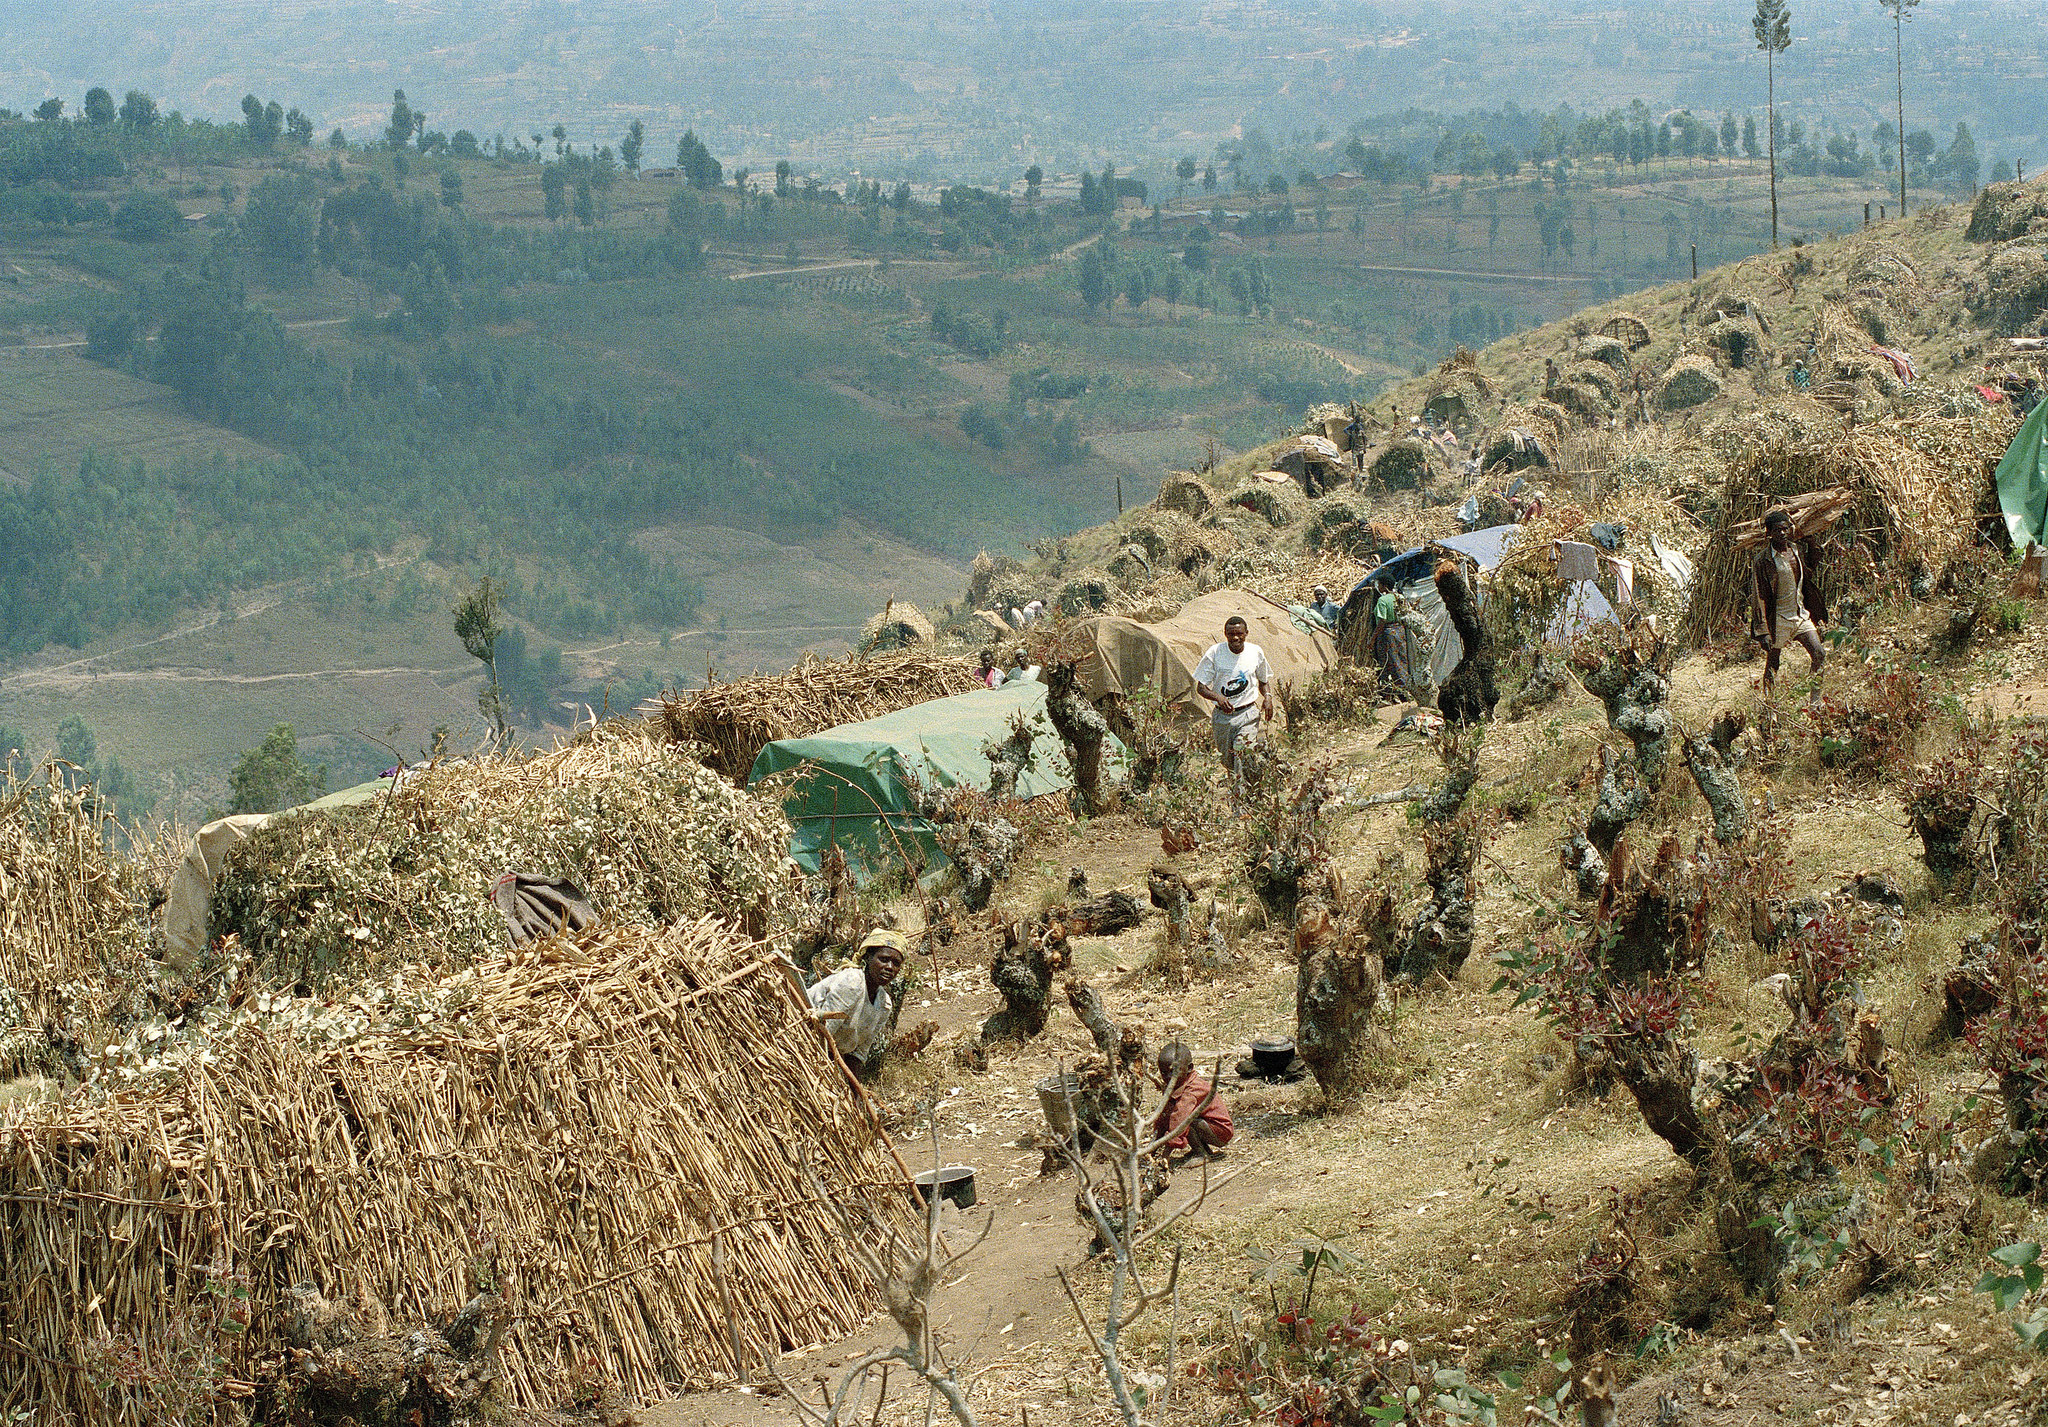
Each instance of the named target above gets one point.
<point>1119,497</point>
<point>1695,262</point>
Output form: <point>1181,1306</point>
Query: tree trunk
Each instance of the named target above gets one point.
<point>1008,759</point>
<point>1081,727</point>
<point>1617,806</point>
<point>1712,760</point>
<point>1022,973</point>
<point>1771,80</point>
<point>1338,977</point>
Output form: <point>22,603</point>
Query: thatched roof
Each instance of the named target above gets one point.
<point>1628,329</point>
<point>1691,380</point>
<point>646,832</point>
<point>1183,491</point>
<point>583,1135</point>
<point>735,721</point>
<point>899,625</point>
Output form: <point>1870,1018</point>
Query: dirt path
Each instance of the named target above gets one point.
<point>78,673</point>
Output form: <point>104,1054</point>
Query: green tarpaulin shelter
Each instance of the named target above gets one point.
<point>2023,481</point>
<point>850,784</point>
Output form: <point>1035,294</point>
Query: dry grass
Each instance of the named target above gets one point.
<point>733,722</point>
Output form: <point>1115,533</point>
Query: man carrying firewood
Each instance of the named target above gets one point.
<point>1782,592</point>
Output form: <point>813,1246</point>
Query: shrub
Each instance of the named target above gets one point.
<point>148,218</point>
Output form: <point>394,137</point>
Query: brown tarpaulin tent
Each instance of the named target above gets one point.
<point>1128,655</point>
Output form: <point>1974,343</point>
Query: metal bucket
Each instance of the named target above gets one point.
<point>953,1181</point>
<point>1053,1092</point>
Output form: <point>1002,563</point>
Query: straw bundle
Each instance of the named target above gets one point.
<point>1183,491</point>
<point>1915,484</point>
<point>512,1144</point>
<point>733,722</point>
<point>899,625</point>
<point>1812,514</point>
<point>643,829</point>
<point>71,938</point>
<point>1691,380</point>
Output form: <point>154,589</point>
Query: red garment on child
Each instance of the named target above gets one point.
<point>1182,1103</point>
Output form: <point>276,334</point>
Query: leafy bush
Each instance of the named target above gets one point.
<point>148,218</point>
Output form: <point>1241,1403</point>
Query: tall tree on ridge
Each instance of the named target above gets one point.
<point>1773,26</point>
<point>1902,11</point>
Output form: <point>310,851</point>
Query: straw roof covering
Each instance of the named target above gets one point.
<point>2004,211</point>
<point>1281,502</point>
<point>1691,380</point>
<point>1915,484</point>
<point>898,625</point>
<point>1185,492</point>
<point>585,1133</point>
<point>644,830</point>
<point>733,722</point>
<point>2016,289</point>
<point>1403,464</point>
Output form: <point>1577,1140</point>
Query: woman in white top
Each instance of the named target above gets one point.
<point>851,1002</point>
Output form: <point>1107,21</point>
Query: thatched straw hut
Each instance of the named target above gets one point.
<point>733,722</point>
<point>1402,464</point>
<point>1606,351</point>
<point>581,1146</point>
<point>1183,491</point>
<point>1526,436</point>
<point>2016,290</point>
<point>325,898</point>
<point>1739,338</point>
<point>2004,211</point>
<point>899,625</point>
<point>1691,380</point>
<point>1273,495</point>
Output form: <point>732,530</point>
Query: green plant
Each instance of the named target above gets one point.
<point>2014,1276</point>
<point>1303,1258</point>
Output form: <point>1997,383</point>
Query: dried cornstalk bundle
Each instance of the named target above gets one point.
<point>645,832</point>
<point>72,937</point>
<point>734,722</point>
<point>585,1135</point>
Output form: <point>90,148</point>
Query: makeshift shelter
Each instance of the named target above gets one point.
<point>590,1140</point>
<point>1413,574</point>
<point>1314,464</point>
<point>854,787</point>
<point>1125,655</point>
<point>634,822</point>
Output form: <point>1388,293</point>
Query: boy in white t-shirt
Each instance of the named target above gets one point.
<point>1235,677</point>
